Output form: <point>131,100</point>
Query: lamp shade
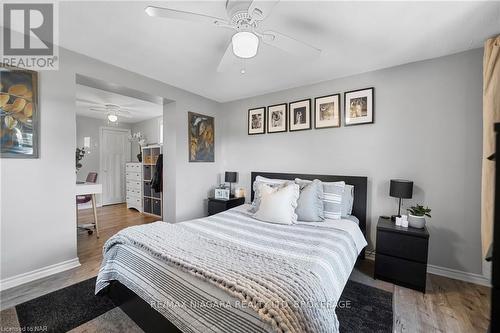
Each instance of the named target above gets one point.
<point>401,188</point>
<point>230,177</point>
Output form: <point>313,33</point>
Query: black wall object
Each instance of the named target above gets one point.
<point>360,191</point>
<point>495,279</point>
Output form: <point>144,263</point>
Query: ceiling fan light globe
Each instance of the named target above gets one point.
<point>245,44</point>
<point>112,117</point>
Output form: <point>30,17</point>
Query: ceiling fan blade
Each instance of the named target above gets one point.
<point>87,102</point>
<point>289,44</point>
<point>227,58</point>
<point>185,16</point>
<point>101,110</point>
<point>260,9</point>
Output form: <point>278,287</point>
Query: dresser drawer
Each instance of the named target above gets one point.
<point>133,167</point>
<point>133,184</point>
<point>135,202</point>
<point>402,246</point>
<point>133,193</point>
<point>129,175</point>
<point>401,271</point>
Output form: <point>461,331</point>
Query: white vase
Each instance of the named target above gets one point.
<point>415,221</point>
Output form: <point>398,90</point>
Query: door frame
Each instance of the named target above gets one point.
<point>101,154</point>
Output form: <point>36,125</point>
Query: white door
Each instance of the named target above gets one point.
<point>114,152</point>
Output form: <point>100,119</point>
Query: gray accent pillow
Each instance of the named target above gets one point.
<point>347,200</point>
<point>332,201</point>
<point>310,202</point>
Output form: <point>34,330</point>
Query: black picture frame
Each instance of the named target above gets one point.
<point>290,117</point>
<point>264,111</point>
<point>372,100</point>
<point>269,118</point>
<point>316,111</point>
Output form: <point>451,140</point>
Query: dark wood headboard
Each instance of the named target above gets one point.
<point>359,183</point>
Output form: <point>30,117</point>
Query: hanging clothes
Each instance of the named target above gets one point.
<point>157,181</point>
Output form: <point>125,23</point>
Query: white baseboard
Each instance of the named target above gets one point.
<point>459,275</point>
<point>20,279</point>
<point>450,273</point>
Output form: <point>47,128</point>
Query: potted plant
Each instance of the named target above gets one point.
<point>416,216</point>
<point>80,153</point>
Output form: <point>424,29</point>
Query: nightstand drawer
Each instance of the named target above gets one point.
<point>402,246</point>
<point>400,271</point>
<point>216,206</point>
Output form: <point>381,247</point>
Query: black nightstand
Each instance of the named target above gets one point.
<point>401,255</point>
<point>219,205</point>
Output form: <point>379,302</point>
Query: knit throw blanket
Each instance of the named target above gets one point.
<point>291,275</point>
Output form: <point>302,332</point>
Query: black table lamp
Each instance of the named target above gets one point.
<point>402,189</point>
<point>230,177</point>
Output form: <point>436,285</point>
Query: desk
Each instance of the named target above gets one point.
<point>92,189</point>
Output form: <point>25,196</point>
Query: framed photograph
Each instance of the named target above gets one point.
<point>19,113</point>
<point>257,121</point>
<point>327,111</point>
<point>276,118</point>
<point>359,106</point>
<point>300,115</point>
<point>201,139</point>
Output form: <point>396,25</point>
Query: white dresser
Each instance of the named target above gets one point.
<point>133,176</point>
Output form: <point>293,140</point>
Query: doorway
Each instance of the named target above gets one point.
<point>114,153</point>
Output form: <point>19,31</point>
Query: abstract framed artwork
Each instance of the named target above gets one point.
<point>19,113</point>
<point>277,118</point>
<point>300,115</point>
<point>359,106</point>
<point>201,129</point>
<point>257,121</point>
<point>327,111</point>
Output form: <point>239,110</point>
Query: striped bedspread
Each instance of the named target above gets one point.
<point>232,273</point>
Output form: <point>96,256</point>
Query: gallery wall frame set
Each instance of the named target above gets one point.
<point>359,107</point>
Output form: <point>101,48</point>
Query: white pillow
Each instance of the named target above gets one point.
<point>277,205</point>
<point>259,181</point>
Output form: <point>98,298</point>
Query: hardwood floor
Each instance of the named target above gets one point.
<point>447,306</point>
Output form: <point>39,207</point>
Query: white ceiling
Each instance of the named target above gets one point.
<point>87,97</point>
<point>355,37</point>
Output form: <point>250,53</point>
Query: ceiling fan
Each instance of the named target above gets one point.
<point>245,18</point>
<point>112,112</point>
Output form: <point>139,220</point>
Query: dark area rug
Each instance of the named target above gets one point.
<point>64,309</point>
<point>364,309</point>
<point>361,309</point>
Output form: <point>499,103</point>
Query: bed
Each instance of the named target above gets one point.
<point>232,273</point>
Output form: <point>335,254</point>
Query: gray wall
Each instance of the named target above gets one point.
<point>149,128</point>
<point>428,128</point>
<point>86,126</point>
<point>38,195</point>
